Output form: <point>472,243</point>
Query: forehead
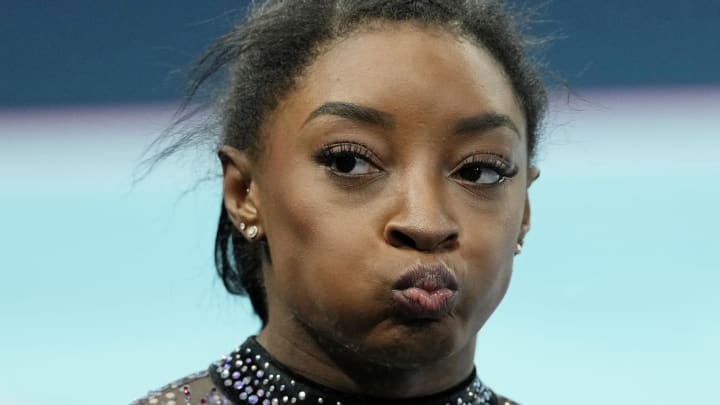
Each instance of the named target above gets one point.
<point>406,70</point>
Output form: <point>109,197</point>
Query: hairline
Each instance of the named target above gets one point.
<point>340,34</point>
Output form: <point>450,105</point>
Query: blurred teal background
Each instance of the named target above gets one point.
<point>108,289</point>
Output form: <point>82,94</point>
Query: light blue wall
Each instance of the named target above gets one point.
<point>108,291</point>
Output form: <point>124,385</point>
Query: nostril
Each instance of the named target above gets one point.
<point>400,239</point>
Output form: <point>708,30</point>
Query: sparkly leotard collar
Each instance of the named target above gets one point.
<point>250,375</point>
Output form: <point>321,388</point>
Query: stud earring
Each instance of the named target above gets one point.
<point>252,232</point>
<point>242,226</point>
<point>518,249</point>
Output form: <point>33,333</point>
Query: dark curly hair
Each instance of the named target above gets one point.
<point>259,60</point>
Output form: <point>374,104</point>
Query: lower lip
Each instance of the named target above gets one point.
<point>418,304</point>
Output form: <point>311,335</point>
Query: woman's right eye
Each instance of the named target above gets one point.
<point>347,163</point>
<point>347,160</point>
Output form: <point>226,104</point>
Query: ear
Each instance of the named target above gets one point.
<point>533,174</point>
<point>239,191</point>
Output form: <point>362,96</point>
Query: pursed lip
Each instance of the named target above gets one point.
<point>425,291</point>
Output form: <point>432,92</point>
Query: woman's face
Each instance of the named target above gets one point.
<point>392,192</point>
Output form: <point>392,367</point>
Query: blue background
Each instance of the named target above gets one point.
<point>108,289</point>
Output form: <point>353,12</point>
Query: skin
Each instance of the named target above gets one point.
<point>339,242</point>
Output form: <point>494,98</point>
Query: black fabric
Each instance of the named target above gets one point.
<point>251,375</point>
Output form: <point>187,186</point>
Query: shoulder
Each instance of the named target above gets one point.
<point>195,389</point>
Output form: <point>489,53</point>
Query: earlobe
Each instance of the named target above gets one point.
<point>239,196</point>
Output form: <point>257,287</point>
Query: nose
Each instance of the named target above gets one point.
<point>422,222</point>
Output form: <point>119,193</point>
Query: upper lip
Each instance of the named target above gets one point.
<point>429,277</point>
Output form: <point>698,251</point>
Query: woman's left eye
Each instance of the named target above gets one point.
<point>485,173</point>
<point>478,174</point>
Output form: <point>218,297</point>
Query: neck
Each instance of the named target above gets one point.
<point>342,369</point>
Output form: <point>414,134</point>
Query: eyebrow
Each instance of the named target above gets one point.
<point>484,122</point>
<point>367,115</point>
<point>354,112</point>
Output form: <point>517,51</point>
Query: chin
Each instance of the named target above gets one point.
<point>409,344</point>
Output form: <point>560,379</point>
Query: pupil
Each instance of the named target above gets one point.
<point>345,163</point>
<point>471,173</point>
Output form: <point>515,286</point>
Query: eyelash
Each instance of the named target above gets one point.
<point>328,156</point>
<point>492,161</point>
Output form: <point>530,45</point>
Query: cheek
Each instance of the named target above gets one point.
<point>486,277</point>
<point>319,250</point>
<point>485,265</point>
